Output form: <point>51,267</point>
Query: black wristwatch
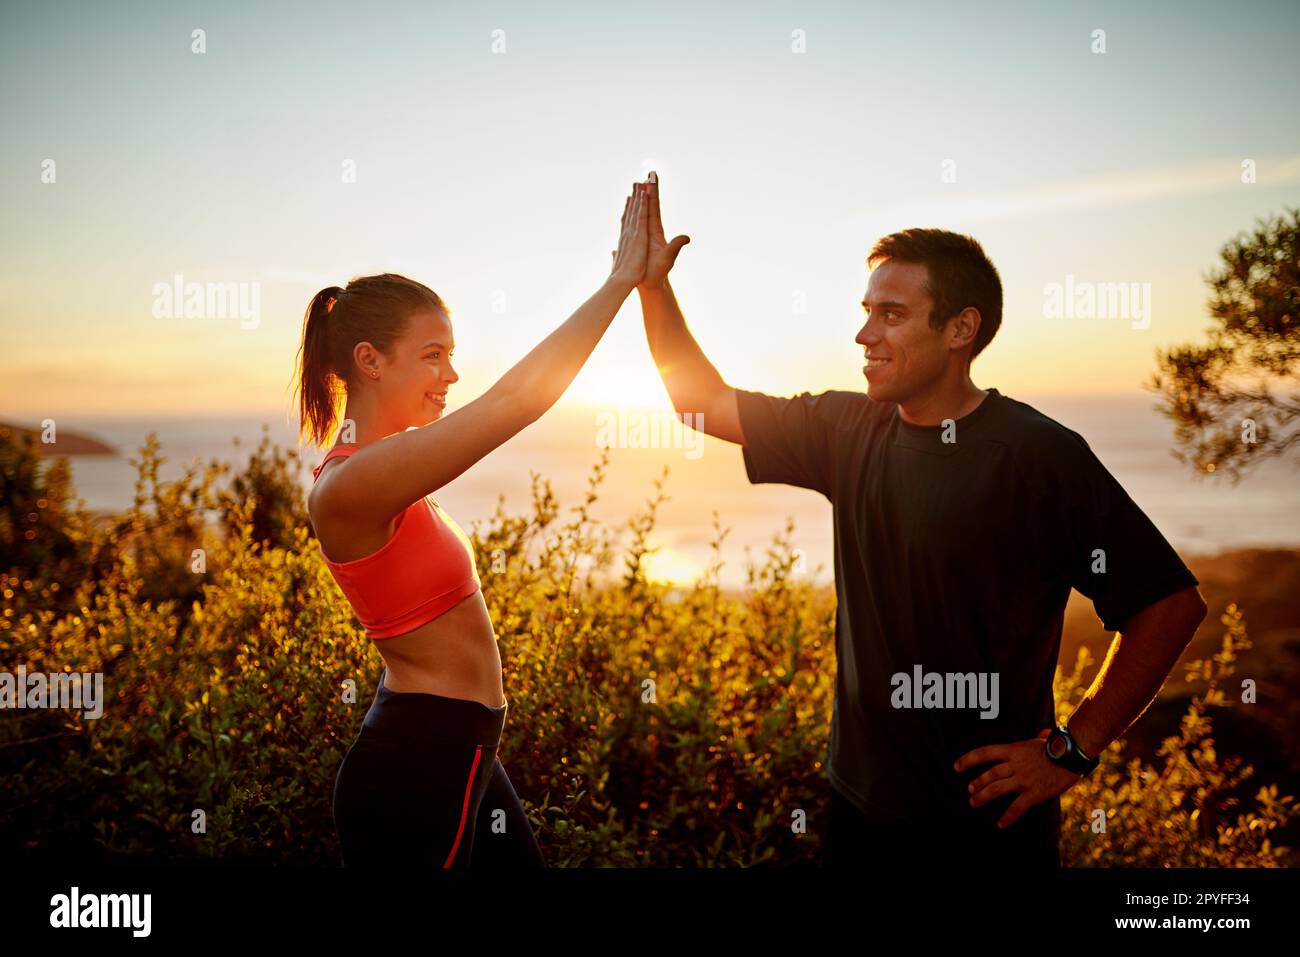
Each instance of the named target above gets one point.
<point>1062,748</point>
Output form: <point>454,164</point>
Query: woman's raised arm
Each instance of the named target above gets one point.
<point>385,477</point>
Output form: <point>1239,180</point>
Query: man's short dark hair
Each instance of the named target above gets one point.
<point>960,275</point>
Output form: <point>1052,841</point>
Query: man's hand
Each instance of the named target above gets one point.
<point>661,253</point>
<point>1024,768</point>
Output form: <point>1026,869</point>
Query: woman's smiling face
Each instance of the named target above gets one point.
<point>418,375</point>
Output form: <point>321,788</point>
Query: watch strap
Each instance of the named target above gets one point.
<point>1074,758</point>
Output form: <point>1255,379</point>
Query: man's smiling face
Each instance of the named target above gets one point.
<point>904,353</point>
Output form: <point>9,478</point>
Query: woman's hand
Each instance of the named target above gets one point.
<point>662,254</point>
<point>630,257</point>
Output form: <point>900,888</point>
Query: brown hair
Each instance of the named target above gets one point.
<point>960,274</point>
<point>374,309</point>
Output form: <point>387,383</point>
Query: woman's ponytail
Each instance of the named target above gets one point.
<point>316,398</point>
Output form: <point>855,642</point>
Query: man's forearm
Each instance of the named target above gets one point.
<point>1136,666</point>
<point>691,380</point>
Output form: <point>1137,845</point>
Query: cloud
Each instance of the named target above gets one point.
<point>1113,189</point>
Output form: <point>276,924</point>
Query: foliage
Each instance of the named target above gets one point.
<point>1247,374</point>
<point>39,526</point>
<point>1177,814</point>
<point>650,725</point>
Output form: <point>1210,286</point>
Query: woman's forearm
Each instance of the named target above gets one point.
<point>538,380</point>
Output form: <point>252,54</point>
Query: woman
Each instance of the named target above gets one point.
<point>422,783</point>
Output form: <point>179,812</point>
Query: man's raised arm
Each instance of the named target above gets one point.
<point>693,384</point>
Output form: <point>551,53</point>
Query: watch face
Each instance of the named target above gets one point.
<point>1056,746</point>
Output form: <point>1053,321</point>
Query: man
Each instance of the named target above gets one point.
<point>962,520</point>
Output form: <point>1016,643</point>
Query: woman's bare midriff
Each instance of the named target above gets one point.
<point>455,655</point>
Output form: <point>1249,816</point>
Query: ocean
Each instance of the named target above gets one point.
<point>1197,514</point>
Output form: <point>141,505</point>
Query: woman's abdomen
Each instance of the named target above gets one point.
<point>454,655</point>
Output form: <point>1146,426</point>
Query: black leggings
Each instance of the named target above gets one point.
<point>422,786</point>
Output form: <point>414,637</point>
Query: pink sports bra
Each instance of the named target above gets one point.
<point>422,571</point>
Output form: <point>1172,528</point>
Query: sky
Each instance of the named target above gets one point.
<point>493,144</point>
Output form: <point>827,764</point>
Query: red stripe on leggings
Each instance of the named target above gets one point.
<point>464,810</point>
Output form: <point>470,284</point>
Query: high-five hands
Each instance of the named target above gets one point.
<point>662,253</point>
<point>644,256</point>
<point>630,257</point>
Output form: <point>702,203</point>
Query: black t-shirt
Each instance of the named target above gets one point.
<point>956,547</point>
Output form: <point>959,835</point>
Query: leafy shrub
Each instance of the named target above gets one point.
<point>1177,814</point>
<point>649,725</point>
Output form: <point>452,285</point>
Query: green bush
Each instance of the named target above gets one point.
<point>649,726</point>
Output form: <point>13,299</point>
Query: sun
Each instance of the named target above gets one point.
<point>633,387</point>
<point>672,567</point>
